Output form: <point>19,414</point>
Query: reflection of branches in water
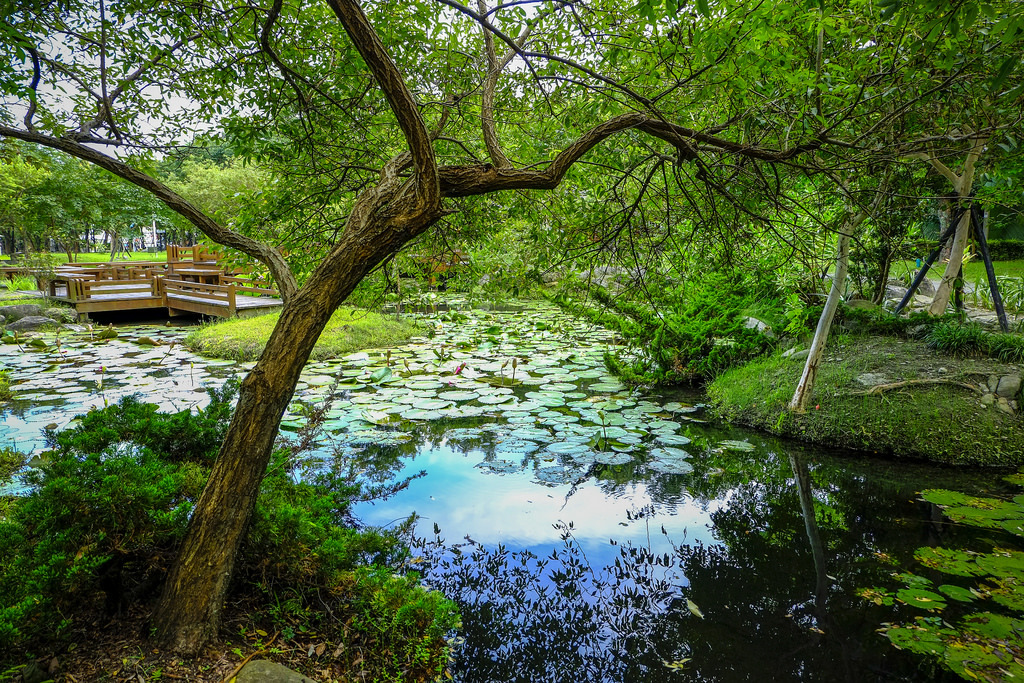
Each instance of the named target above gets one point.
<point>556,618</point>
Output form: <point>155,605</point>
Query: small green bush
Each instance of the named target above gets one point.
<point>1008,348</point>
<point>1006,250</point>
<point>112,501</point>
<point>958,339</point>
<point>690,334</point>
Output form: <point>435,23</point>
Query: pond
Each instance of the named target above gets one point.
<point>587,532</point>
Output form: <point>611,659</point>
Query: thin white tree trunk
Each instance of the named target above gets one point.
<point>804,389</point>
<point>962,184</point>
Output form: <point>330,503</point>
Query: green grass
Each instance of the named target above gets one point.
<point>973,270</point>
<point>104,257</point>
<point>350,329</point>
<point>939,422</point>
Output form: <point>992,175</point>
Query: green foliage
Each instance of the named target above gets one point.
<point>983,645</point>
<point>1006,250</point>
<point>5,386</point>
<point>691,334</point>
<point>957,339</point>
<point>1008,348</point>
<point>112,500</point>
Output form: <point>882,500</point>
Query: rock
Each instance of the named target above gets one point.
<point>788,353</point>
<point>872,379</point>
<point>943,371</point>
<point>993,382</point>
<point>262,671</point>
<point>550,277</point>
<point>761,326</point>
<point>800,355</point>
<point>988,399</point>
<point>922,300</point>
<point>927,288</point>
<point>33,673</point>
<point>895,292</point>
<point>65,315</point>
<point>917,331</point>
<point>861,303</point>
<point>605,276</point>
<point>1004,405</point>
<point>32,322</point>
<point>1009,386</point>
<point>20,311</point>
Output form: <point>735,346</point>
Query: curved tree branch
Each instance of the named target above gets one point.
<point>267,255</point>
<point>387,75</point>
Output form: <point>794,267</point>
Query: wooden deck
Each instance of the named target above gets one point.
<point>182,285</point>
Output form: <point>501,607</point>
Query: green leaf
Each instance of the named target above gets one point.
<point>703,8</point>
<point>1004,72</point>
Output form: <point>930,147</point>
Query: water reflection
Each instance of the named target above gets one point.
<point>595,580</point>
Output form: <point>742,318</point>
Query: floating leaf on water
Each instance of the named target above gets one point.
<point>956,562</point>
<point>458,395</point>
<point>500,466</point>
<point>694,610</point>
<point>568,448</point>
<point>495,399</point>
<point>612,458</point>
<point>672,439</point>
<point>921,598</point>
<point>670,466</point>
<point>916,640</point>
<point>554,475</point>
<point>431,404</point>
<point>957,593</point>
<point>669,453</point>
<point>995,627</point>
<point>741,446</point>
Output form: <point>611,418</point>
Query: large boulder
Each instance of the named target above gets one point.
<point>20,311</point>
<point>64,315</point>
<point>263,671</point>
<point>752,323</point>
<point>32,322</point>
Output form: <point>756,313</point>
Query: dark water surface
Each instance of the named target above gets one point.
<point>587,532</point>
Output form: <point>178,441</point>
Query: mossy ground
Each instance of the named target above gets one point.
<point>942,422</point>
<point>350,329</point>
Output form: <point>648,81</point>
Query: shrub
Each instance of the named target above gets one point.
<point>958,339</point>
<point>1006,250</point>
<point>112,502</point>
<point>1008,348</point>
<point>690,334</point>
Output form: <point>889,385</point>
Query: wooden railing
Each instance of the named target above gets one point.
<point>81,289</point>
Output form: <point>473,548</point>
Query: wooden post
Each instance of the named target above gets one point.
<point>927,264</point>
<point>990,271</point>
<point>231,299</point>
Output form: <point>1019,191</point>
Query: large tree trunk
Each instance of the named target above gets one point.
<point>188,613</point>
<point>805,388</point>
<point>189,610</point>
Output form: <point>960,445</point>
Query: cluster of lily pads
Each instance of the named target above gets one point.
<point>56,376</point>
<point>986,643</point>
<point>531,381</point>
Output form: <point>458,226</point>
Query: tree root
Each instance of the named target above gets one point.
<point>879,388</point>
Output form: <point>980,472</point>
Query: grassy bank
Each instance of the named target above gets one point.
<point>943,423</point>
<point>350,329</point>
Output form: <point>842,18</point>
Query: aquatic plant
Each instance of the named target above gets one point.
<point>988,642</point>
